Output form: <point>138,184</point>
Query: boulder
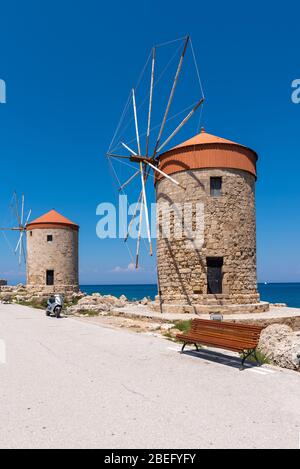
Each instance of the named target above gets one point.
<point>173,332</point>
<point>7,288</point>
<point>90,299</point>
<point>82,308</point>
<point>6,297</point>
<point>167,326</point>
<point>77,296</point>
<point>120,304</point>
<point>95,302</point>
<point>281,345</point>
<point>154,327</point>
<point>114,301</point>
<point>18,298</point>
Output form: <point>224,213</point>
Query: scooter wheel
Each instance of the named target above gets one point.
<point>57,312</point>
<point>47,313</point>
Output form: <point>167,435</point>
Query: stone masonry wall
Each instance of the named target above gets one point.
<point>60,255</point>
<point>229,232</point>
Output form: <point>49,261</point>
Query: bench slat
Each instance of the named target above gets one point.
<point>215,337</point>
<point>227,347</point>
<point>225,324</point>
<point>224,342</point>
<point>221,333</point>
<point>196,323</point>
<point>220,330</point>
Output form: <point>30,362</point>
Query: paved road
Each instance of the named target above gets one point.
<point>70,383</point>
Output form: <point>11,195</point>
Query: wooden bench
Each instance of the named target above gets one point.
<point>241,338</point>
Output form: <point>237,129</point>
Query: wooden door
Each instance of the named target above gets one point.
<point>214,275</point>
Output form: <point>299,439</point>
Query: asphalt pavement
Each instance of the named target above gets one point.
<point>68,383</point>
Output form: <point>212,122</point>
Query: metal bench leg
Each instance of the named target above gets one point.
<point>259,363</point>
<point>183,347</point>
<point>245,356</point>
<point>242,362</point>
<point>185,343</point>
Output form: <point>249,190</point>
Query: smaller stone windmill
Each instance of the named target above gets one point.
<point>52,254</point>
<point>18,208</point>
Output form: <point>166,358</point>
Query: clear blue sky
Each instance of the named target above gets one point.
<point>69,66</point>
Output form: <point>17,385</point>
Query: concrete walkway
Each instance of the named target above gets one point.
<point>273,313</point>
<point>68,383</point>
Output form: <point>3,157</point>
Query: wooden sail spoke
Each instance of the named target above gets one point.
<point>150,100</point>
<point>182,123</point>
<point>128,148</point>
<point>129,180</point>
<point>146,209</point>
<point>155,168</point>
<point>136,123</point>
<point>171,96</point>
<point>114,155</point>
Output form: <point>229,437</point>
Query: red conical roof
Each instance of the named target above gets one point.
<point>204,138</point>
<point>52,218</point>
<point>207,151</point>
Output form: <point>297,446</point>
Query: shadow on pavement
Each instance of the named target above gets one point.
<point>219,357</point>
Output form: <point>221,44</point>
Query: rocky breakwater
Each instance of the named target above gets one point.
<point>74,303</point>
<point>21,295</point>
<point>13,294</point>
<point>97,304</point>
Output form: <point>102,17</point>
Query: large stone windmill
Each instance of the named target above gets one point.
<point>221,273</point>
<point>209,172</point>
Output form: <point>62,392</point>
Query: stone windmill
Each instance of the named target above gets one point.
<point>50,251</point>
<point>220,274</point>
<point>52,254</point>
<point>214,269</point>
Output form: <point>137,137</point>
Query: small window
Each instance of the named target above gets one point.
<point>49,238</point>
<point>30,233</point>
<point>215,186</point>
<point>50,277</point>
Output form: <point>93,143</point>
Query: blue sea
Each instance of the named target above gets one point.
<point>288,293</point>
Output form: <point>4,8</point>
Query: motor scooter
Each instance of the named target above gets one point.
<point>54,305</point>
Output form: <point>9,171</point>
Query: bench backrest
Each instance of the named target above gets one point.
<point>221,329</point>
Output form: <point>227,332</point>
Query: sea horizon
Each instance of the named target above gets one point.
<point>272,292</point>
